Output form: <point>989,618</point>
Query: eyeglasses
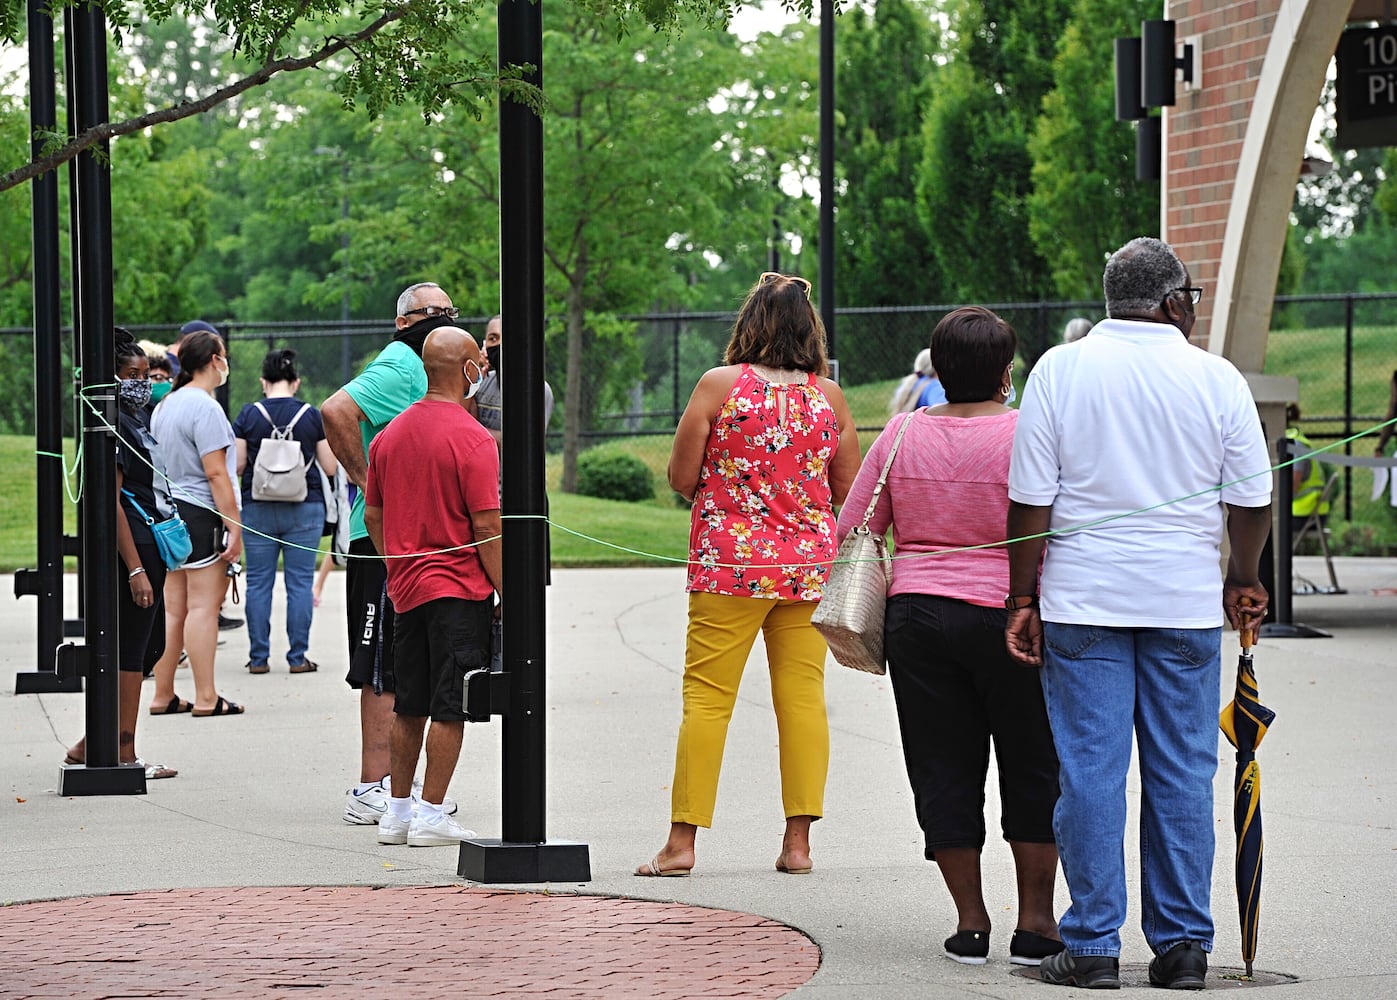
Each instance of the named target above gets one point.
<point>158,377</point>
<point>451,312</point>
<point>1195,294</point>
<point>769,276</point>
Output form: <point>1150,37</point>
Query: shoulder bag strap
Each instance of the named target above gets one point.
<point>883,476</point>
<point>265,415</point>
<point>139,509</point>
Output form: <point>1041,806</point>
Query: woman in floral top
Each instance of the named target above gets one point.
<point>764,450</point>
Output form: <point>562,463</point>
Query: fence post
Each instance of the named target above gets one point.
<point>1348,404</point>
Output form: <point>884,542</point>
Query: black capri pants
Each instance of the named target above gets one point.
<point>957,689</point>
<point>141,631</point>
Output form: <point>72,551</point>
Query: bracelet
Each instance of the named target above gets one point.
<point>135,572</point>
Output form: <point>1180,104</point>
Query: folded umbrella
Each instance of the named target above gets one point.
<point>1244,720</point>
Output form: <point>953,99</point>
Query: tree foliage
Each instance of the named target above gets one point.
<point>1085,200</point>
<point>885,76</point>
<point>976,172</point>
<point>372,50</point>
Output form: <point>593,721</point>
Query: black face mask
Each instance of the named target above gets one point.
<point>492,354</point>
<point>414,336</point>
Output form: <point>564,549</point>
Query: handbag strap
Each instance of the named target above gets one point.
<point>139,509</point>
<point>883,476</point>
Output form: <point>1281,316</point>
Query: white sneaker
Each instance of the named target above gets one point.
<point>448,804</point>
<point>445,832</point>
<point>392,830</point>
<point>365,808</point>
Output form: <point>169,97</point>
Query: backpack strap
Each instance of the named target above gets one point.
<point>282,432</point>
<point>294,420</point>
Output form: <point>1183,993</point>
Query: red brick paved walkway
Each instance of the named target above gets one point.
<point>392,943</point>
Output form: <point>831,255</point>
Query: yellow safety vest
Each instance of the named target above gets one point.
<point>1313,475</point>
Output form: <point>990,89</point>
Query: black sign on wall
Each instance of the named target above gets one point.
<point>1367,87</point>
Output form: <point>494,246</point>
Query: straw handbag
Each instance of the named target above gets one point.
<point>850,615</point>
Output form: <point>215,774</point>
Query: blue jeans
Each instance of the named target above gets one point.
<point>1101,684</point>
<point>292,533</point>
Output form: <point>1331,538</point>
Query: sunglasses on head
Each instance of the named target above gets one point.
<point>770,276</point>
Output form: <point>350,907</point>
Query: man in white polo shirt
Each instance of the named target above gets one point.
<point>1136,450</point>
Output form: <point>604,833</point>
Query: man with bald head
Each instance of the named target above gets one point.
<point>433,494</point>
<point>353,417</point>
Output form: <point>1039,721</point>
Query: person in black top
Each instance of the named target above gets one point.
<point>278,530</point>
<point>140,607</point>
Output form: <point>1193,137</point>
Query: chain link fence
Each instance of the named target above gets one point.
<point>1343,349</point>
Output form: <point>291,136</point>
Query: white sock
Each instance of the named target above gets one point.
<point>400,808</point>
<point>364,786</point>
<point>430,812</point>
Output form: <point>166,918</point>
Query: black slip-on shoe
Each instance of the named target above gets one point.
<point>1030,948</point>
<point>225,623</point>
<point>1090,972</point>
<point>1182,967</point>
<point>968,947</point>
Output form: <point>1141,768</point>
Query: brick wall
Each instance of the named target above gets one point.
<point>1204,132</point>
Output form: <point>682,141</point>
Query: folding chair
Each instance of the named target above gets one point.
<point>1315,522</point>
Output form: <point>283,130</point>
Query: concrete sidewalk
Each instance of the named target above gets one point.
<point>258,798</point>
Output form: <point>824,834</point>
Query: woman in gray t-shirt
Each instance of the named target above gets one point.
<point>200,460</point>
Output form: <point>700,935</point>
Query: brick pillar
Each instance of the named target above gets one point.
<point>1204,132</point>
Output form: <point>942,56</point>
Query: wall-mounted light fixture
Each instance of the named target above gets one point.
<point>1161,61</point>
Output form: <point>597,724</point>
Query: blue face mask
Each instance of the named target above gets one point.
<point>1013,395</point>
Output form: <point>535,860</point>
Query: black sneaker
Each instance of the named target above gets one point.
<point>226,624</point>
<point>1182,967</point>
<point>968,947</point>
<point>1090,972</point>
<point>1029,948</point>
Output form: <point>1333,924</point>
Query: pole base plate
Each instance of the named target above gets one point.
<point>495,861</point>
<point>46,682</point>
<point>1291,630</point>
<point>123,779</point>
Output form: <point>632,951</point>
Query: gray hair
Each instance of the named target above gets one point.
<point>1076,329</point>
<point>1139,275</point>
<point>408,300</point>
<point>923,365</point>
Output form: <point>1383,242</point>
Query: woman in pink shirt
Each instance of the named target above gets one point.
<point>764,450</point>
<point>955,686</point>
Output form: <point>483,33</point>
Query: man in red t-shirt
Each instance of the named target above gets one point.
<point>432,492</point>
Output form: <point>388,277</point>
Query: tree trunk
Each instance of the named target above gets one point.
<point>574,409</point>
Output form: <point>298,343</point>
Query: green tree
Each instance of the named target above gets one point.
<point>378,53</point>
<point>1085,200</point>
<point>884,80</point>
<point>976,171</point>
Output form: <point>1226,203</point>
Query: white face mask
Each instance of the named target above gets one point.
<point>472,387</point>
<point>222,374</point>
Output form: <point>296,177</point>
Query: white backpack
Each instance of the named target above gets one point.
<point>279,473</point>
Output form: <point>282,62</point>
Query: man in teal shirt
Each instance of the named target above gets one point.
<point>353,416</point>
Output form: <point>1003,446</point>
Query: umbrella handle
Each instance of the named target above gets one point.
<point>1246,636</point>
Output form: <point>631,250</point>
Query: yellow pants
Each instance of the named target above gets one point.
<point>721,632</point>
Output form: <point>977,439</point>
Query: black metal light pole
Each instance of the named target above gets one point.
<point>46,581</point>
<point>102,774</point>
<point>523,854</point>
<point>827,172</point>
